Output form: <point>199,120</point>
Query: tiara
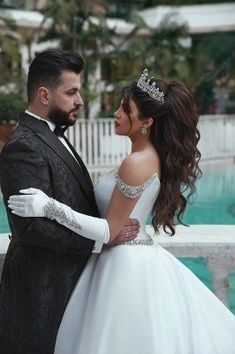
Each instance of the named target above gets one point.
<point>151,89</point>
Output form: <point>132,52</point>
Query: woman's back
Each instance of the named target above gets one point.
<point>104,189</point>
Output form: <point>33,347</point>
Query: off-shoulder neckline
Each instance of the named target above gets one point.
<point>115,170</point>
<point>155,174</point>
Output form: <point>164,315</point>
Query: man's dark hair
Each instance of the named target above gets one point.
<point>47,67</point>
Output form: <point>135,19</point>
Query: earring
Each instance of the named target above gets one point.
<point>143,131</point>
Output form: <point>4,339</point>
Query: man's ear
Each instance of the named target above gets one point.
<point>44,95</point>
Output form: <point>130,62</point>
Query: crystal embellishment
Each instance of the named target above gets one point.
<point>150,88</point>
<point>136,242</point>
<point>131,191</point>
<point>55,212</point>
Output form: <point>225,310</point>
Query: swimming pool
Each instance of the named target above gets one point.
<point>4,227</point>
<point>214,204</point>
<point>215,200</point>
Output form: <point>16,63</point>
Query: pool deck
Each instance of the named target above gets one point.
<point>215,243</point>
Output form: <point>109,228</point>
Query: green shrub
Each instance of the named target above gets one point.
<point>10,107</point>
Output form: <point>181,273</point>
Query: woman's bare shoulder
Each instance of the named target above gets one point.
<point>138,167</point>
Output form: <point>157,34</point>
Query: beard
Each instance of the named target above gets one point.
<point>61,117</point>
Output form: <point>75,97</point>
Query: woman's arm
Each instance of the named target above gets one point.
<point>130,183</point>
<point>132,178</point>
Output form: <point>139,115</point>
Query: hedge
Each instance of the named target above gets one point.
<point>10,107</point>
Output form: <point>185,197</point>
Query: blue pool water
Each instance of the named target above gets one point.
<point>214,204</point>
<point>4,227</point>
<point>215,199</point>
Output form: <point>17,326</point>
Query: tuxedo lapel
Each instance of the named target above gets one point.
<point>49,138</point>
<point>79,160</point>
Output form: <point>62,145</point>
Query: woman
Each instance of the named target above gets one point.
<point>136,297</point>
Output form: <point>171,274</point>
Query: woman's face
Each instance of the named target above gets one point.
<point>127,124</point>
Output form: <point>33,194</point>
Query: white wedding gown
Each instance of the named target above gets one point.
<point>139,299</point>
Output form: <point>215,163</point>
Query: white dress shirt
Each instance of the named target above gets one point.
<point>98,245</point>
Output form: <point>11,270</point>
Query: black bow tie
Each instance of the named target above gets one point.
<point>59,131</point>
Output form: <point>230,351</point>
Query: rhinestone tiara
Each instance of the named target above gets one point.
<point>151,89</point>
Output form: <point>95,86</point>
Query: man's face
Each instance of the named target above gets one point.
<point>65,100</point>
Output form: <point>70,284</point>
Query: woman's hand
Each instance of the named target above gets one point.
<point>30,204</point>
<point>128,233</point>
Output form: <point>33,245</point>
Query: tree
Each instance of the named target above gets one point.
<point>211,64</point>
<point>9,53</point>
<point>162,50</point>
<point>151,3</point>
<point>82,27</point>
<point>12,38</point>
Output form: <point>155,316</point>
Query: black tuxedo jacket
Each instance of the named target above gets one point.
<point>44,259</point>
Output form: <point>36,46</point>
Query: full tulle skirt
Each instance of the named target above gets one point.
<point>142,300</point>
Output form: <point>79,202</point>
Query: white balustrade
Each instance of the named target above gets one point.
<point>215,243</point>
<point>99,147</point>
<point>217,136</point>
<point>97,143</point>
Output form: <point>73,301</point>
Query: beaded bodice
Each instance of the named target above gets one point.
<point>148,193</point>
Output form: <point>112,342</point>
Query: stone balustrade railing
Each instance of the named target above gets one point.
<point>100,147</point>
<point>216,243</point>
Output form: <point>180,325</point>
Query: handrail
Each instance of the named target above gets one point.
<point>215,243</point>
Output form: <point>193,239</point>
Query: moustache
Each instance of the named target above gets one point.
<point>75,109</point>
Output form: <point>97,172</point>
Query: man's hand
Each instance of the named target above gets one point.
<point>129,232</point>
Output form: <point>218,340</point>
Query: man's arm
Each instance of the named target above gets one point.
<point>21,166</point>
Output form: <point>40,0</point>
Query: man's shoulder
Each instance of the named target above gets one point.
<point>21,138</point>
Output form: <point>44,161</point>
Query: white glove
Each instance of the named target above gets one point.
<point>31,204</point>
<point>35,203</point>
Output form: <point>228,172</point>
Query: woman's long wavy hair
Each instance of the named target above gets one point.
<point>175,136</point>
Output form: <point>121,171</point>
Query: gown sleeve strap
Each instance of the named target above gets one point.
<point>132,191</point>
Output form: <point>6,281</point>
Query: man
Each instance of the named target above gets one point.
<point>44,260</point>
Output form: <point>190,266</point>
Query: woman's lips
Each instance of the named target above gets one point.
<point>116,124</point>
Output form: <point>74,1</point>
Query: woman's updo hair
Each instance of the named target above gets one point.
<point>175,136</point>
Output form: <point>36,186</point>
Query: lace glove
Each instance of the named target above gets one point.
<point>35,203</point>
